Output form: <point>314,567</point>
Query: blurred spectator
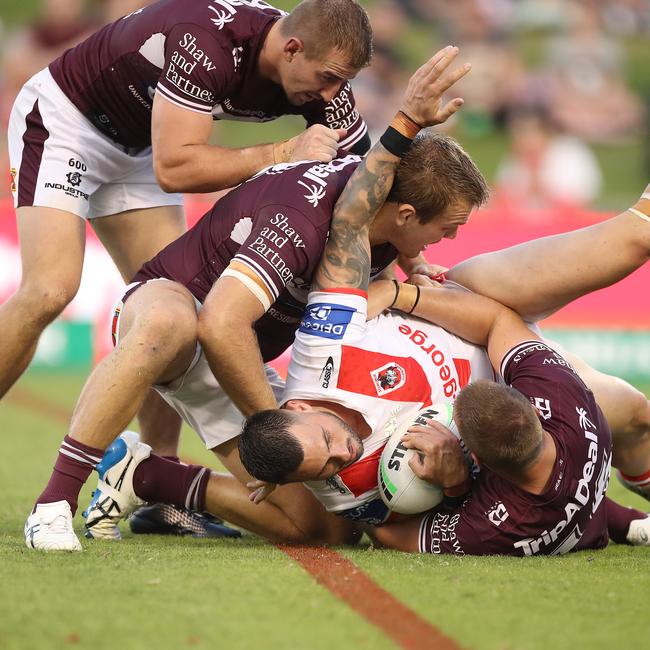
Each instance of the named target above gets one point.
<point>378,89</point>
<point>60,25</point>
<point>588,95</point>
<point>544,168</point>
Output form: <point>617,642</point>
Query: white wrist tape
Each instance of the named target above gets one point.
<point>639,214</point>
<point>251,285</point>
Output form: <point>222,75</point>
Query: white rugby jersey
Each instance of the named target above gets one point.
<point>387,369</point>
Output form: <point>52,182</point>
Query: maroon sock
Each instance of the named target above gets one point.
<point>158,480</point>
<point>619,519</point>
<point>73,466</point>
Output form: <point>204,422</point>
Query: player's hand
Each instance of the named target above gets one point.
<point>440,459</point>
<point>423,98</point>
<point>318,142</point>
<point>260,490</point>
<point>427,275</point>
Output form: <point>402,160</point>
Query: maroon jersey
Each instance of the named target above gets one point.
<point>276,224</point>
<point>498,517</point>
<point>201,56</point>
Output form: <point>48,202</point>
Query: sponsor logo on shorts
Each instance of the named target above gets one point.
<point>74,178</point>
<point>388,378</point>
<point>13,172</point>
<point>70,191</point>
<point>326,373</point>
<point>327,320</point>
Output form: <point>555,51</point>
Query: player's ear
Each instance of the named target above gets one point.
<point>293,46</point>
<point>405,213</point>
<point>298,405</point>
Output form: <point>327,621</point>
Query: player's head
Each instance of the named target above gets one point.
<point>436,187</point>
<point>499,425</point>
<point>325,42</point>
<point>305,444</point>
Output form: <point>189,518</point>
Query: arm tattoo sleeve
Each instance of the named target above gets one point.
<point>346,260</point>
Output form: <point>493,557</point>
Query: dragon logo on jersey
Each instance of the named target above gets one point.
<point>388,378</point>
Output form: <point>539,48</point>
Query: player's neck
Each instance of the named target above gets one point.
<point>535,477</point>
<point>269,57</point>
<point>382,226</point>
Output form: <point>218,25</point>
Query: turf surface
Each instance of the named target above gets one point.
<point>176,593</point>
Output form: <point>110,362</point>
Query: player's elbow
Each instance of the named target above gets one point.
<point>170,172</point>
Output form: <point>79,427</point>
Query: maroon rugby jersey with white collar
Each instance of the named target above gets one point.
<point>199,54</point>
<point>276,224</point>
<point>498,517</point>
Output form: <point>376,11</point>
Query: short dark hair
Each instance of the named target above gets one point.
<point>436,173</point>
<point>499,425</point>
<point>326,25</point>
<point>267,449</point>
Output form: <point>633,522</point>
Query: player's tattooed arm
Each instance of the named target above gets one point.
<point>346,260</point>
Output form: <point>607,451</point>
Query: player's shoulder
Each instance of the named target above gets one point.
<point>223,21</point>
<point>309,187</point>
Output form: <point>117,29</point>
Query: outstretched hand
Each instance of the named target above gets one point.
<point>423,98</point>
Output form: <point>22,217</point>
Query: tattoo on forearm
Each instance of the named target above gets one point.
<point>346,261</point>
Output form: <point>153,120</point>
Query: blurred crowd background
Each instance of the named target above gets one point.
<point>557,104</point>
<point>556,116</point>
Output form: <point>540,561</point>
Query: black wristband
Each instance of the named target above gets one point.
<point>396,283</point>
<point>394,142</point>
<point>417,299</point>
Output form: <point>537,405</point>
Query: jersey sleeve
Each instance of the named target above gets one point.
<point>197,69</point>
<point>341,113</point>
<point>333,317</point>
<point>282,244</point>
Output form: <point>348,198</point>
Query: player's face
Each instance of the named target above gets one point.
<point>413,237</point>
<point>305,80</point>
<point>328,444</point>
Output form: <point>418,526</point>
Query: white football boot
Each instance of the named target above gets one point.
<point>114,498</point>
<point>638,533</point>
<point>49,528</point>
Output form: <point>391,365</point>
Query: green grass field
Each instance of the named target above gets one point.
<point>170,593</point>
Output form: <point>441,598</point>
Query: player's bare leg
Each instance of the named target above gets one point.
<point>132,238</point>
<point>50,280</point>
<point>291,513</point>
<point>157,344</point>
<point>628,414</point>
<point>539,277</point>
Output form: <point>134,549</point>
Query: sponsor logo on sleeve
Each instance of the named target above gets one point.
<point>543,407</point>
<point>388,378</point>
<point>326,373</point>
<point>326,320</point>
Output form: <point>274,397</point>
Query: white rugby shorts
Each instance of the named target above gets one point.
<point>59,160</point>
<point>198,397</point>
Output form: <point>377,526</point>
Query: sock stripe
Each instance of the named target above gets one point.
<point>82,459</point>
<point>66,447</point>
<point>192,499</point>
<point>637,480</point>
